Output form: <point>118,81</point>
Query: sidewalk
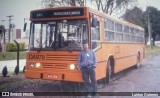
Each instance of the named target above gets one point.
<point>11,64</point>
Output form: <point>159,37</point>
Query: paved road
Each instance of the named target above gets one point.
<point>144,79</point>
<point>11,64</point>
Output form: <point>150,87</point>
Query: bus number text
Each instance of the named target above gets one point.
<point>37,57</point>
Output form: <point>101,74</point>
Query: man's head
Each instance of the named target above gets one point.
<point>85,45</point>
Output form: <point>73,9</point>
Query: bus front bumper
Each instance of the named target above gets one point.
<point>67,76</point>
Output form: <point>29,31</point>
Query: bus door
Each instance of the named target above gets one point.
<point>95,35</point>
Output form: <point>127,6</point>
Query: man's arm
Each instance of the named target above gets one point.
<point>94,59</point>
<point>79,61</point>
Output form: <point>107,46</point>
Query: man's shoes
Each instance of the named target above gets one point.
<point>96,94</point>
<point>89,96</point>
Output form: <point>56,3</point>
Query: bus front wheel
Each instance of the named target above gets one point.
<point>138,61</point>
<point>109,71</point>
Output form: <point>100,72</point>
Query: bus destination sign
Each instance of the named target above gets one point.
<point>57,13</point>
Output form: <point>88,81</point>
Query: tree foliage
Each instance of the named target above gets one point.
<point>154,15</point>
<point>135,16</point>
<point>139,17</point>
<point>113,6</point>
<point>107,6</point>
<point>2,32</point>
<point>11,47</point>
<point>59,3</point>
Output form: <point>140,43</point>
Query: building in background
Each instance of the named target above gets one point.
<point>15,34</point>
<point>27,33</point>
<point>18,33</point>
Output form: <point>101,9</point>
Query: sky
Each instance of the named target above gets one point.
<point>20,9</point>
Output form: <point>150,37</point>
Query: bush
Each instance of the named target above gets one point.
<point>16,70</point>
<point>21,46</point>
<point>10,47</point>
<point>5,71</point>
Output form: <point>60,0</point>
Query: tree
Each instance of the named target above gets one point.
<point>2,30</point>
<point>154,16</point>
<point>107,6</point>
<point>135,16</point>
<point>58,3</point>
<point>113,6</point>
<point>138,17</point>
<point>2,33</point>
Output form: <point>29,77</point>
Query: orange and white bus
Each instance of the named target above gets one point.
<point>56,36</point>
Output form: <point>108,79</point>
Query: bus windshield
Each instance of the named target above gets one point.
<point>58,35</point>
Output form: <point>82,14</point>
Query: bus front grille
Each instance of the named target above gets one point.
<point>61,57</point>
<point>59,61</point>
<point>55,66</point>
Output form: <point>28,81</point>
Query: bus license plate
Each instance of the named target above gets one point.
<point>52,76</point>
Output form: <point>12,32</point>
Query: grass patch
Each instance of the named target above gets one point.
<point>152,50</point>
<point>12,55</point>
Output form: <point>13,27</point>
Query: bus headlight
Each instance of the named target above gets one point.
<point>32,65</point>
<point>38,65</point>
<point>72,66</point>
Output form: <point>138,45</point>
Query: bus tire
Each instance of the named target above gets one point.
<point>107,78</point>
<point>109,71</point>
<point>138,64</point>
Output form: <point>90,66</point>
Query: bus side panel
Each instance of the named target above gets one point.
<point>119,57</point>
<point>131,51</point>
<point>108,49</point>
<point>101,70</point>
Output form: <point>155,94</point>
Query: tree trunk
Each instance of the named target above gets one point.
<point>153,42</point>
<point>153,36</point>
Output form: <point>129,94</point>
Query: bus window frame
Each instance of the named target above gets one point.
<point>84,23</point>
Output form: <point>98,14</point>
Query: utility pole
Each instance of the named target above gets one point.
<point>9,30</point>
<point>25,24</point>
<point>149,30</point>
<point>25,20</point>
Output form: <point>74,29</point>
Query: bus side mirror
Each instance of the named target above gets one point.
<point>24,28</point>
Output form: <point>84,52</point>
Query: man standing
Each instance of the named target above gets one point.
<point>87,65</point>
